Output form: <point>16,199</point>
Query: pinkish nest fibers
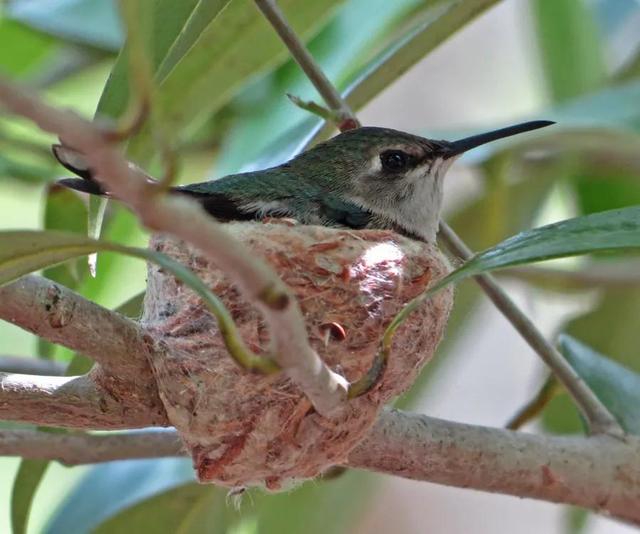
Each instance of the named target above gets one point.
<point>246,429</point>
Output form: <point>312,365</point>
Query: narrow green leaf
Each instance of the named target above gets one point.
<point>27,51</point>
<point>221,59</point>
<point>24,251</point>
<point>570,47</point>
<point>64,210</point>
<point>616,386</point>
<point>27,480</point>
<point>606,231</point>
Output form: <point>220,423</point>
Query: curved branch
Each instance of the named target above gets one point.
<point>61,316</point>
<point>77,449</point>
<point>74,402</point>
<point>185,219</point>
<point>600,472</point>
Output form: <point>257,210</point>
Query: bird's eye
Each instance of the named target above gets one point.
<point>394,160</point>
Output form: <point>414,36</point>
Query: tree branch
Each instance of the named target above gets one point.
<point>77,449</point>
<point>31,366</point>
<point>61,316</point>
<point>117,343</point>
<point>74,402</point>
<point>601,473</point>
<point>346,118</point>
<point>185,219</point>
<point>597,415</point>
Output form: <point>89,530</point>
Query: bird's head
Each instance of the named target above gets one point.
<point>393,174</point>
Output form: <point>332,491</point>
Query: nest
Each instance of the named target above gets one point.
<point>244,429</point>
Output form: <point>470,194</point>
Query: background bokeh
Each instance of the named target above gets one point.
<point>569,60</point>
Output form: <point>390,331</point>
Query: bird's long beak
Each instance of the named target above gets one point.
<point>456,148</point>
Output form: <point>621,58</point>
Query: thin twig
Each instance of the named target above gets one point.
<point>79,448</point>
<point>600,420</point>
<point>597,415</point>
<point>31,366</point>
<point>184,218</point>
<point>76,402</point>
<point>327,91</point>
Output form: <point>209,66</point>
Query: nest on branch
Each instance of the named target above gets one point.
<point>245,429</point>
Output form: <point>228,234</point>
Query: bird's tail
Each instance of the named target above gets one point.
<point>75,162</point>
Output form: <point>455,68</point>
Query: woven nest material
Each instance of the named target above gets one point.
<point>244,429</point>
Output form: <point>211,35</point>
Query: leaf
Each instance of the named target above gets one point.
<point>64,210</point>
<point>604,231</point>
<point>27,480</point>
<point>189,509</point>
<point>196,86</point>
<point>84,21</point>
<point>168,24</point>
<point>27,51</point>
<point>616,386</point>
<point>95,218</point>
<point>108,489</point>
<point>570,47</point>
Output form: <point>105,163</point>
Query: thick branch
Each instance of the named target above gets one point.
<point>600,472</point>
<point>118,344</point>
<point>77,449</point>
<point>61,316</point>
<point>187,220</point>
<point>74,402</point>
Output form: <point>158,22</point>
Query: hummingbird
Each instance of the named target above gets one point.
<point>368,177</point>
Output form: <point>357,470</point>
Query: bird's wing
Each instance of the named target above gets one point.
<point>343,213</point>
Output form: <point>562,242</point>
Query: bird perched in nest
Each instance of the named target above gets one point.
<point>374,178</point>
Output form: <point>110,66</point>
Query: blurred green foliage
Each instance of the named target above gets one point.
<point>218,100</point>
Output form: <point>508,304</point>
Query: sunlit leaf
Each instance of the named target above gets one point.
<point>616,386</point>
